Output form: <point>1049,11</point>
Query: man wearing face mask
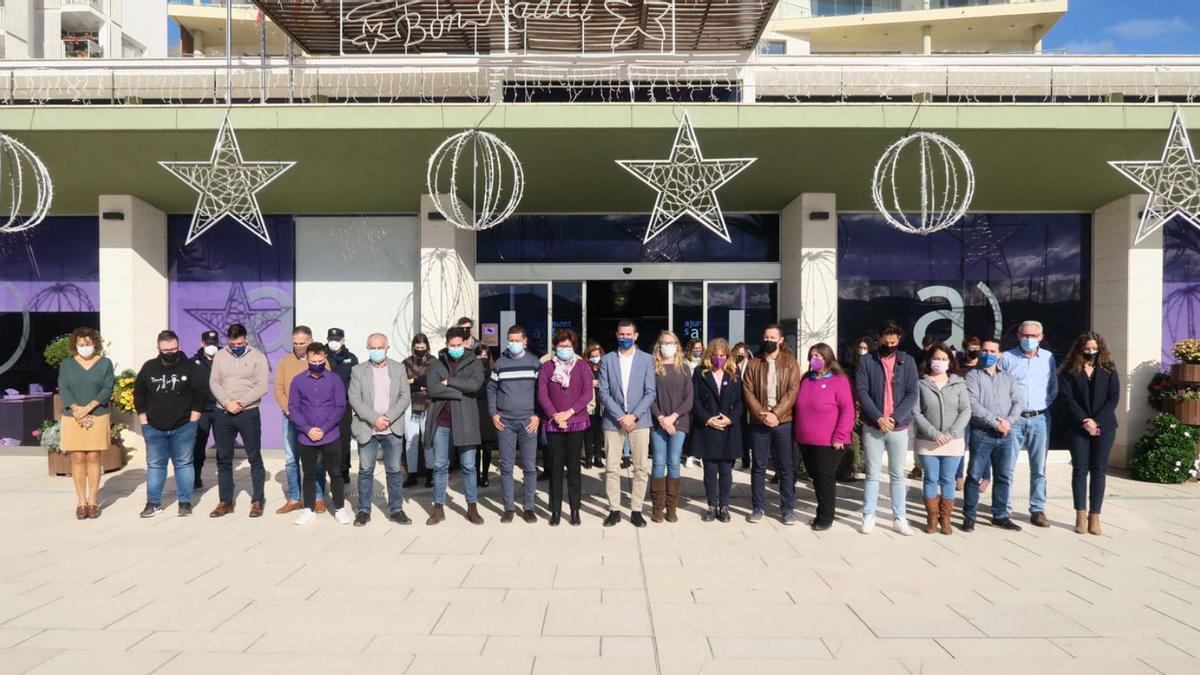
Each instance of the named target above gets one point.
<point>379,398</point>
<point>342,362</point>
<point>240,374</point>
<point>417,366</point>
<point>286,370</point>
<point>1036,373</point>
<point>627,390</point>
<point>996,406</point>
<point>452,422</point>
<point>511,397</point>
<point>769,390</point>
<point>316,402</point>
<point>210,344</point>
<point>171,399</point>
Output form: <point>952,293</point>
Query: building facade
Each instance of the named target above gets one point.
<point>86,29</point>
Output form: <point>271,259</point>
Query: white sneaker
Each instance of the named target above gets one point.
<point>343,516</point>
<point>695,461</point>
<point>868,524</point>
<point>306,516</point>
<point>900,525</point>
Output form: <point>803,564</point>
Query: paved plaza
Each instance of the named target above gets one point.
<point>235,595</point>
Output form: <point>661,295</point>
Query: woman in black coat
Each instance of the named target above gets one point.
<point>717,409</point>
<point>1089,383</point>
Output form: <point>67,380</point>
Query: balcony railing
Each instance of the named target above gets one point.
<point>761,80</point>
<point>237,4</point>
<point>825,8</point>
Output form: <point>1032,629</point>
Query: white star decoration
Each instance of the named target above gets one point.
<point>1173,182</point>
<point>228,186</point>
<point>687,183</point>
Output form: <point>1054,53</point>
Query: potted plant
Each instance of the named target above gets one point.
<point>1183,402</point>
<point>55,353</point>
<point>58,464</point>
<point>1187,371</point>
<point>1159,385</point>
<point>1167,453</point>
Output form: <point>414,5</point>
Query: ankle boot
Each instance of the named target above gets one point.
<point>945,511</point>
<point>672,499</point>
<point>931,515</point>
<point>658,497</point>
<point>473,514</point>
<point>1081,522</point>
<point>1093,524</point>
<point>437,515</point>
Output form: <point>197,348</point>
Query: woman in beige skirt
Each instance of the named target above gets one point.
<point>85,383</point>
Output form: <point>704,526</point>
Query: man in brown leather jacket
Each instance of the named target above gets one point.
<point>769,388</point>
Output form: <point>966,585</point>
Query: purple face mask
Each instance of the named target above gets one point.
<point>718,362</point>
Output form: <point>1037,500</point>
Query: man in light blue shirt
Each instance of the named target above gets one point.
<point>1035,372</point>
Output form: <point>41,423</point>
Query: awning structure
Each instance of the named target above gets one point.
<point>520,26</point>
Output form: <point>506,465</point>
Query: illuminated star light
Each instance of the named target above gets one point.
<point>228,186</point>
<point>1172,182</point>
<point>687,183</point>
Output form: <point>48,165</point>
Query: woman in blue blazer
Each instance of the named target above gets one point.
<point>1089,382</point>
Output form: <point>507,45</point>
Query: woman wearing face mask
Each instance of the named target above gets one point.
<point>85,384</point>
<point>672,412</point>
<point>824,421</point>
<point>564,388</point>
<point>741,359</point>
<point>851,467</point>
<point>1089,382</point>
<point>593,438</point>
<point>941,418</point>
<point>487,431</point>
<point>693,355</point>
<point>417,365</point>
<point>968,360</point>
<point>717,404</point>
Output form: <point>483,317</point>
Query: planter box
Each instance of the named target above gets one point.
<point>1185,373</point>
<point>112,459</point>
<point>1188,412</point>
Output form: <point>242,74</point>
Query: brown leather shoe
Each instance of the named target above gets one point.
<point>437,515</point>
<point>529,516</point>
<point>320,506</point>
<point>931,515</point>
<point>1081,522</point>
<point>945,513</point>
<point>93,511</point>
<point>658,498</point>
<point>1039,519</point>
<point>256,509</point>
<point>222,509</point>
<point>1094,524</point>
<point>507,517</point>
<point>473,514</point>
<point>289,506</point>
<point>81,512</point>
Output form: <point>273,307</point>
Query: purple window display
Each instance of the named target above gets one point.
<point>228,276</point>
<point>1181,286</point>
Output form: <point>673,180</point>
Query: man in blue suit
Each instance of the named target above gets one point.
<point>626,392</point>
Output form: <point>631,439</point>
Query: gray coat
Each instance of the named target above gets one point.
<point>942,411</point>
<point>361,397</point>
<point>461,392</point>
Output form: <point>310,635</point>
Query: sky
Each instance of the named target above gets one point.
<point>1127,27</point>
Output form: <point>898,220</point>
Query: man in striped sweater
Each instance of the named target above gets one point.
<point>511,394</point>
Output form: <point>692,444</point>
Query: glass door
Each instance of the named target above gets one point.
<point>503,305</point>
<point>739,311</point>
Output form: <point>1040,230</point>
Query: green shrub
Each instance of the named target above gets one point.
<point>57,351</point>
<point>1167,454</point>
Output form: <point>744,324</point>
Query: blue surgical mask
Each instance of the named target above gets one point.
<point>625,343</point>
<point>377,355</point>
<point>456,352</point>
<point>564,353</point>
<point>516,348</point>
<point>988,360</point>
<point>238,351</point>
<point>1029,344</point>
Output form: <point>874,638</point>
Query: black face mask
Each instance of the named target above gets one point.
<point>420,353</point>
<point>769,347</point>
<point>741,357</point>
<point>1090,356</point>
<point>973,352</point>
<point>886,350</point>
<point>171,358</point>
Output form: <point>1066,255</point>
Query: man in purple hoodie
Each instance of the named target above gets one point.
<point>316,402</point>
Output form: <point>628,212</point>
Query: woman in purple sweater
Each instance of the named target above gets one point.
<point>564,390</point>
<point>824,422</point>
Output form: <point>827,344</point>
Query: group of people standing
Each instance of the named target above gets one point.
<point>626,409</point>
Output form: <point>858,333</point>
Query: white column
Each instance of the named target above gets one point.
<point>926,39</point>
<point>1127,282</point>
<point>447,286</point>
<point>808,287</point>
<point>133,278</point>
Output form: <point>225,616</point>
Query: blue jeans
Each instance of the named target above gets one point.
<point>516,444</point>
<point>1032,434</point>
<point>989,452</point>
<point>874,443</point>
<point>291,463</point>
<point>176,445</point>
<point>414,425</point>
<point>441,467</point>
<point>393,453</point>
<point>666,450</point>
<point>939,475</point>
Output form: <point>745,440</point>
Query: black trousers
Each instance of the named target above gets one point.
<point>822,463</point>
<point>226,428</point>
<point>200,449</point>
<point>344,439</point>
<point>564,452</point>
<point>1089,457</point>
<point>773,442</point>
<point>718,482</point>
<point>331,451</point>
<point>593,439</point>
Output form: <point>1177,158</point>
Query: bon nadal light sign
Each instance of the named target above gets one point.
<point>409,23</point>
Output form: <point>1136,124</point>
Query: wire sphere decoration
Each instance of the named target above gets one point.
<point>947,183</point>
<point>475,180</point>
<point>21,168</point>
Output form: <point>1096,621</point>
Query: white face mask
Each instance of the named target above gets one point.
<point>334,346</point>
<point>594,359</point>
<point>668,351</point>
<point>85,351</point>
<point>939,366</point>
<point>864,352</point>
<point>211,350</point>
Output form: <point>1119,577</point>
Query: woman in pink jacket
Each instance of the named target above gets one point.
<point>824,421</point>
<point>564,390</point>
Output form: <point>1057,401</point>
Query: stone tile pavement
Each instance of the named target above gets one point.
<point>236,595</point>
